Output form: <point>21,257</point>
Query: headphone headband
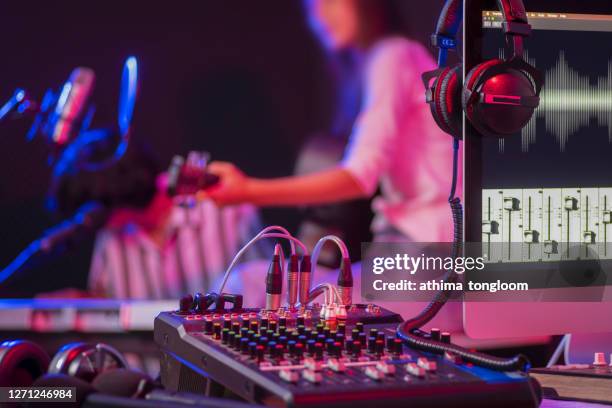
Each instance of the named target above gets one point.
<point>516,26</point>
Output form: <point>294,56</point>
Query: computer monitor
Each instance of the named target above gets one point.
<point>540,202</point>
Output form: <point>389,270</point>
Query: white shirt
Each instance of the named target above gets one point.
<point>397,145</point>
<point>127,264</point>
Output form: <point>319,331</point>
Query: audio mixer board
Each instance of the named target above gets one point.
<point>294,359</point>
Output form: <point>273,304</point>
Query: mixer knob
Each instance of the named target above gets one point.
<point>389,342</point>
<point>250,334</point>
<point>349,345</point>
<point>264,323</point>
<point>244,345</point>
<point>356,348</point>
<point>217,331</point>
<point>236,327</point>
<point>185,304</point>
<point>359,326</point>
<point>225,336</point>
<point>301,329</point>
<point>318,351</point>
<point>208,326</point>
<point>397,347</point>
<point>330,346</point>
<point>307,333</point>
<point>259,352</point>
<point>371,344</point>
<point>300,321</point>
<point>310,346</point>
<point>355,334</point>
<point>282,330</point>
<point>299,351</point>
<point>326,331</point>
<point>263,340</point>
<point>435,334</point>
<point>282,340</point>
<point>278,352</point>
<point>379,347</point>
<point>236,342</point>
<point>271,346</point>
<point>254,325</point>
<point>227,322</point>
<point>302,339</point>
<point>252,348</point>
<point>341,328</point>
<point>282,321</point>
<point>273,325</point>
<point>373,332</point>
<point>445,337</point>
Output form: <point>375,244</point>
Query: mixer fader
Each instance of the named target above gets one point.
<point>531,225</point>
<point>294,357</point>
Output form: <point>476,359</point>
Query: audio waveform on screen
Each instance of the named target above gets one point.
<point>568,103</point>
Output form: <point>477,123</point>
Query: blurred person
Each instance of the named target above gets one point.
<point>395,146</point>
<point>395,143</point>
<point>149,248</point>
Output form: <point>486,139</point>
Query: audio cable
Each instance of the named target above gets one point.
<point>409,331</point>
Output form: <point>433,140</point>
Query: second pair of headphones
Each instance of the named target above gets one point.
<point>499,96</point>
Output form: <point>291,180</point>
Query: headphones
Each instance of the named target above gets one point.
<point>498,96</point>
<point>88,367</point>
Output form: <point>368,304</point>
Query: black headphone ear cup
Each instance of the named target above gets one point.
<point>471,79</point>
<point>434,103</point>
<point>85,361</point>
<point>449,100</point>
<point>83,388</point>
<point>497,77</point>
<point>21,363</point>
<point>124,383</point>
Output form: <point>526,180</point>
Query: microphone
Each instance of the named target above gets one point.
<point>88,219</point>
<point>345,282</point>
<point>64,122</point>
<point>274,281</point>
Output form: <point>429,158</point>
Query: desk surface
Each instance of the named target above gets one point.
<point>570,404</point>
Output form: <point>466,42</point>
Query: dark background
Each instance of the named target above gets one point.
<point>242,79</point>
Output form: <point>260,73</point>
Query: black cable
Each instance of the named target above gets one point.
<point>409,331</point>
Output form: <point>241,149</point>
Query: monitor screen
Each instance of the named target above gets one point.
<point>547,192</point>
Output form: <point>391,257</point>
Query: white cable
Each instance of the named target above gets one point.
<point>262,235</point>
<point>284,231</point>
<point>327,289</point>
<point>319,246</point>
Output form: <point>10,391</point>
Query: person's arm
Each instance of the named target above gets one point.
<point>389,88</point>
<point>323,187</point>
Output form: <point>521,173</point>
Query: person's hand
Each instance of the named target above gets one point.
<point>232,187</point>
